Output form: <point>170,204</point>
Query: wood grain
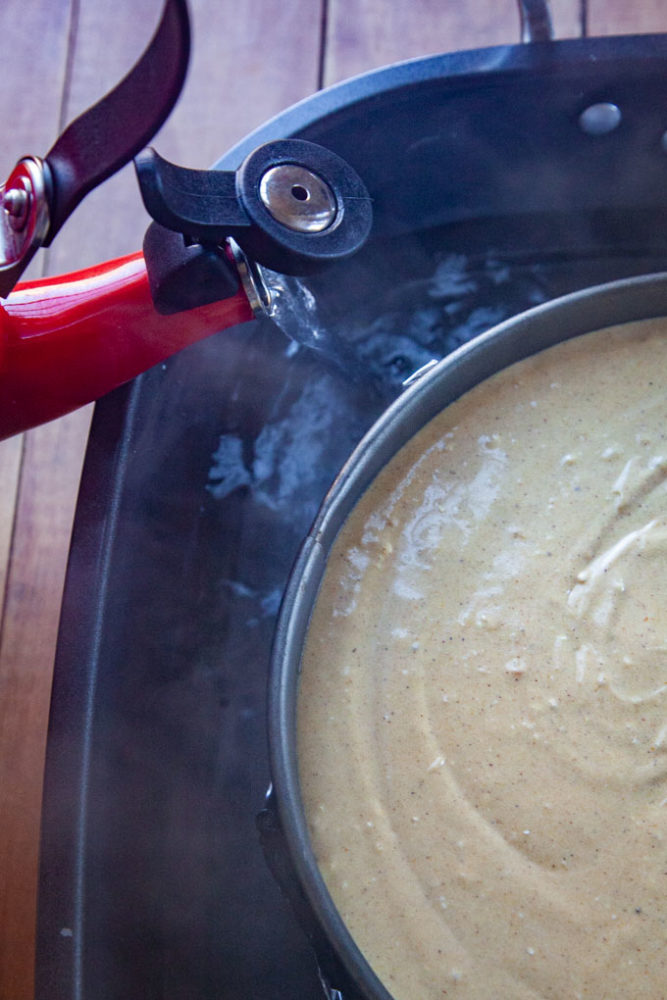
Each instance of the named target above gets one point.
<point>32,607</point>
<point>11,453</point>
<point>363,36</point>
<point>618,17</point>
<point>34,39</point>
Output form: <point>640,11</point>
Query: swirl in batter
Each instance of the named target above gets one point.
<point>483,704</point>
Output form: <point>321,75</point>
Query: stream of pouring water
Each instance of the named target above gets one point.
<point>381,333</point>
<point>294,311</point>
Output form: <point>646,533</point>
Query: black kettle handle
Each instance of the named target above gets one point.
<point>41,193</point>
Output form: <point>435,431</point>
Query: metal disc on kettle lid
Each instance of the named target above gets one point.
<point>298,198</point>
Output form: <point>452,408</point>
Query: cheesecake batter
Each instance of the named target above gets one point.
<point>483,706</point>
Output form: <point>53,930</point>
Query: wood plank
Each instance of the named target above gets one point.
<point>363,36</point>
<point>566,17</point>
<point>11,453</point>
<point>31,126</point>
<point>41,542</point>
<point>33,80</point>
<point>32,90</point>
<point>618,17</point>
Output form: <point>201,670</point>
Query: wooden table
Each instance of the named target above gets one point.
<point>250,60</point>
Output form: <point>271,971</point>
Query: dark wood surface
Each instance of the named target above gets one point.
<point>250,60</point>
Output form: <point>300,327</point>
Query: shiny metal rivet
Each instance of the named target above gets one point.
<point>298,198</point>
<point>16,203</point>
<point>600,119</point>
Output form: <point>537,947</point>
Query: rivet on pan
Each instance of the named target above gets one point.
<point>600,119</point>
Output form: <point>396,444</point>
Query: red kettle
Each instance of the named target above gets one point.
<point>290,207</point>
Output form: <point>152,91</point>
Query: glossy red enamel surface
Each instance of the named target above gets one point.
<point>68,340</point>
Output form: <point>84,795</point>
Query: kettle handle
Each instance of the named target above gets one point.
<point>68,340</point>
<point>41,193</point>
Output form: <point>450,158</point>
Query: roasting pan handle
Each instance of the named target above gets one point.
<point>536,23</point>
